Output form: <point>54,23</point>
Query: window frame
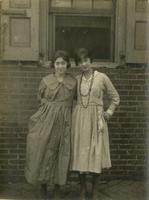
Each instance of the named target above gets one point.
<point>1,30</point>
<point>52,27</point>
<point>120,30</point>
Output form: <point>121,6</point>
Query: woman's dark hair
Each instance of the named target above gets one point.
<point>82,53</point>
<point>63,54</point>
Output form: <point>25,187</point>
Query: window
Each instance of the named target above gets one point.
<point>78,23</point>
<point>111,29</point>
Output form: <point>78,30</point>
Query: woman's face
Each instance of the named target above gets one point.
<point>85,64</point>
<point>60,65</point>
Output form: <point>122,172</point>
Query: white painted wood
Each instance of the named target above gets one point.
<point>102,4</point>
<point>89,4</point>
<point>82,4</point>
<point>61,3</point>
<point>1,44</point>
<point>19,26</point>
<point>44,29</point>
<point>120,32</point>
<point>136,14</point>
<point>21,40</point>
<point>140,35</point>
<point>20,4</point>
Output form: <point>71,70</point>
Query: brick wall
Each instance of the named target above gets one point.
<point>128,127</point>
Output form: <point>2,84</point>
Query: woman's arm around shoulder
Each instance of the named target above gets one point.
<point>41,91</point>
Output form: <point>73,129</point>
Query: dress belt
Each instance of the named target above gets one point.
<point>62,103</point>
<point>90,104</point>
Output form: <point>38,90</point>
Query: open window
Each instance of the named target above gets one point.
<point>89,24</point>
<point>31,30</point>
<point>94,33</point>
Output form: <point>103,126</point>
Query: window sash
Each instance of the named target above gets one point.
<point>120,29</point>
<point>87,4</point>
<point>52,34</point>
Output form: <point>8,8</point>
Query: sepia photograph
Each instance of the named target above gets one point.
<point>74,99</point>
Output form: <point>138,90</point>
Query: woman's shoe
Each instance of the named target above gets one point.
<point>83,195</point>
<point>44,191</point>
<point>83,187</point>
<point>56,193</point>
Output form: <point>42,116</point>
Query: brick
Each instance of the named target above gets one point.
<point>128,157</point>
<point>3,161</point>
<point>9,167</point>
<point>3,151</point>
<point>127,129</point>
<point>119,162</point>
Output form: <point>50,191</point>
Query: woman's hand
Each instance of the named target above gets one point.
<point>107,116</point>
<point>43,101</point>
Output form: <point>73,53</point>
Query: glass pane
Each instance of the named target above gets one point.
<point>93,33</point>
<point>61,3</point>
<point>82,4</point>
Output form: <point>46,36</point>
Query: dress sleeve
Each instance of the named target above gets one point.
<point>41,92</point>
<point>113,95</point>
<point>75,90</point>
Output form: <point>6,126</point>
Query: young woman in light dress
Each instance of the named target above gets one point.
<point>48,140</point>
<point>90,140</point>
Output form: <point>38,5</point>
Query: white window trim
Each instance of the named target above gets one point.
<point>120,35</point>
<point>53,17</point>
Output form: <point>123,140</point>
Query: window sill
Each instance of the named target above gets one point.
<point>100,64</point>
<point>113,65</point>
<point>105,64</point>
<point>96,12</point>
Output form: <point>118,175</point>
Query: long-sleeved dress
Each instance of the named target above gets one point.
<point>90,139</point>
<point>48,141</point>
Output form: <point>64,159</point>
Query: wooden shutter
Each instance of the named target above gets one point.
<point>136,31</point>
<point>120,32</point>
<point>20,35</point>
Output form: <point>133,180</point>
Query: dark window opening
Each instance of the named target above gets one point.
<point>94,33</point>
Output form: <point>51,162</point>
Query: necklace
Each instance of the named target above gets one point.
<point>88,93</point>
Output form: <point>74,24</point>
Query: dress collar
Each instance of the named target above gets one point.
<point>52,82</point>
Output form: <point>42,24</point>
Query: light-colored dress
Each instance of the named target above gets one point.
<point>48,141</point>
<point>90,139</point>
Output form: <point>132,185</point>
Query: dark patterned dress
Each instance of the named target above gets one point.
<point>48,141</point>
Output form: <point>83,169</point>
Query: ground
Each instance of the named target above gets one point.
<point>111,190</point>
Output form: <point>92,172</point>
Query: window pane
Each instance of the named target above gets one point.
<point>61,3</point>
<point>80,4</point>
<point>93,33</point>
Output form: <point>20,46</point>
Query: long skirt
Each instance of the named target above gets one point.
<point>48,144</point>
<point>90,140</point>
